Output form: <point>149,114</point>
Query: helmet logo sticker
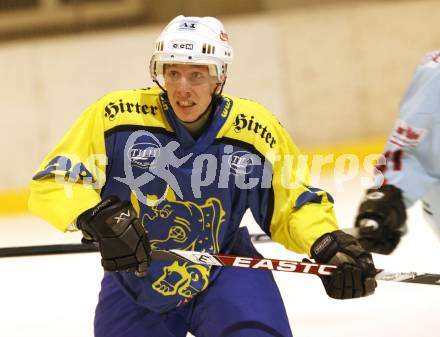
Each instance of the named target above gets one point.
<point>224,36</point>
<point>188,46</point>
<point>189,25</point>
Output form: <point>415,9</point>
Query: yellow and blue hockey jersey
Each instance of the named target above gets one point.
<point>189,194</point>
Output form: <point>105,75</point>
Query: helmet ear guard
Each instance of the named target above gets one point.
<point>193,40</point>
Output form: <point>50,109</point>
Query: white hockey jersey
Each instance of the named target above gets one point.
<point>413,148</point>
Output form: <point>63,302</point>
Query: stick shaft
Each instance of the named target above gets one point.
<point>223,260</point>
<point>286,266</point>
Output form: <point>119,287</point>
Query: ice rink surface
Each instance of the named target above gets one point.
<point>53,296</point>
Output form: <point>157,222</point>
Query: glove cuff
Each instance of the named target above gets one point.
<point>327,245</point>
<point>83,220</point>
<point>324,248</point>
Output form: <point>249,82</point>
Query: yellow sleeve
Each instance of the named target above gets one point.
<point>301,213</point>
<point>285,205</point>
<point>71,176</point>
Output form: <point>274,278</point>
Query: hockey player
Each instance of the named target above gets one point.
<point>176,166</point>
<point>412,168</point>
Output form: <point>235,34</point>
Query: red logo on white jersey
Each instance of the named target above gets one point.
<point>405,135</point>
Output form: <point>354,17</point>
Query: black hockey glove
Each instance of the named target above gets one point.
<point>123,241</point>
<point>355,274</point>
<point>381,219</point>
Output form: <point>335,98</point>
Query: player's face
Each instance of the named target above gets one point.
<point>190,89</point>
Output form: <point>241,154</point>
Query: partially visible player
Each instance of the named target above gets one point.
<point>412,168</point>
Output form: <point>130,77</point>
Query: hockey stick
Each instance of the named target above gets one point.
<point>283,265</point>
<point>263,238</point>
<point>74,248</point>
<point>224,260</point>
<point>71,248</point>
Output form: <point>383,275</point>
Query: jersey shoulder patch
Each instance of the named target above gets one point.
<point>406,135</point>
<point>132,107</point>
<point>252,123</point>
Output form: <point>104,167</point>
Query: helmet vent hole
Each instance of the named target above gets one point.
<point>208,49</point>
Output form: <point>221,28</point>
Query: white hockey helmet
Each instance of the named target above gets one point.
<point>193,40</point>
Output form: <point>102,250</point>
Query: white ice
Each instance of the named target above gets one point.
<point>53,296</point>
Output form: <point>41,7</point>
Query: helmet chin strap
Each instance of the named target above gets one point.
<point>158,84</point>
<point>222,84</point>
